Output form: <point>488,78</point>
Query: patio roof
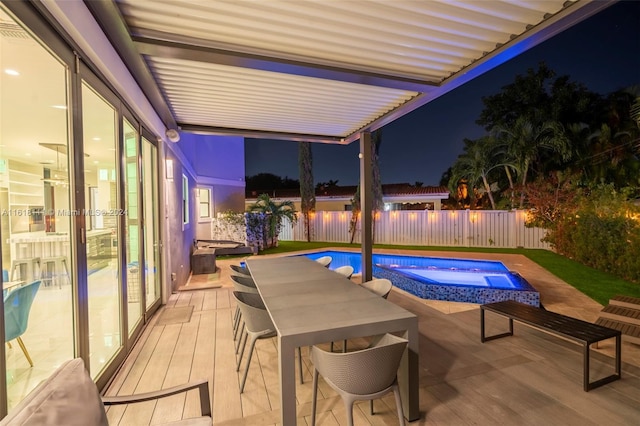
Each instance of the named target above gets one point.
<point>317,70</point>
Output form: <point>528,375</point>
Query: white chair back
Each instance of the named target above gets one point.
<point>380,286</point>
<point>361,375</point>
<point>346,270</point>
<point>324,260</point>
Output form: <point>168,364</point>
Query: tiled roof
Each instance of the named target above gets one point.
<point>388,190</point>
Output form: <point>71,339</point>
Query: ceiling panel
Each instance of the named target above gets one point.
<point>326,68</point>
<point>224,96</point>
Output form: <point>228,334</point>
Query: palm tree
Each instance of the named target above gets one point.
<point>500,153</point>
<point>355,212</point>
<point>274,212</point>
<point>307,189</point>
<point>376,184</point>
<point>474,165</point>
<point>376,181</point>
<point>525,141</point>
<point>614,146</point>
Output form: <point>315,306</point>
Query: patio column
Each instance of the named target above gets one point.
<point>366,204</point>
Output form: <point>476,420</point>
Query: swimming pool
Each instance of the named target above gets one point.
<point>457,280</point>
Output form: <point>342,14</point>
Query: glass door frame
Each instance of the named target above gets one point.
<point>153,140</point>
<point>92,80</point>
<point>132,335</point>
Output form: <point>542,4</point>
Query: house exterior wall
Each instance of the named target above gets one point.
<point>179,237</point>
<point>218,165</point>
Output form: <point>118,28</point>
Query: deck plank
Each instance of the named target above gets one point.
<point>179,371</point>
<point>227,404</point>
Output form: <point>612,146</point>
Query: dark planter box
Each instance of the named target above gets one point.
<point>203,261</point>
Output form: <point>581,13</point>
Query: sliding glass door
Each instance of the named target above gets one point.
<point>132,228</point>
<point>102,218</point>
<point>151,229</point>
<point>38,278</point>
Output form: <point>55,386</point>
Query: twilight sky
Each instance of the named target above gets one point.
<point>602,52</point>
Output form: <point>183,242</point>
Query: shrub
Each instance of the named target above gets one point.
<point>602,231</point>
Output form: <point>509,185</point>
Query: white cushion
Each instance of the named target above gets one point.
<point>68,397</point>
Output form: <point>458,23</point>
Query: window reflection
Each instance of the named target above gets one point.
<point>35,212</point>
<point>102,217</point>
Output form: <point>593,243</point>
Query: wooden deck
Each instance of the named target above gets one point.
<point>528,379</point>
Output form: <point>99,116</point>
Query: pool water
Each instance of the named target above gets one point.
<point>457,280</point>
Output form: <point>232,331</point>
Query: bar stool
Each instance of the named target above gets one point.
<point>26,268</point>
<point>53,268</point>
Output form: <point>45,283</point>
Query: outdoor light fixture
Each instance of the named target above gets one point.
<point>173,135</point>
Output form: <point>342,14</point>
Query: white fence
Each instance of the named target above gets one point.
<point>462,228</point>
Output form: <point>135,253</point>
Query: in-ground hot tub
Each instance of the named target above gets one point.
<point>451,279</point>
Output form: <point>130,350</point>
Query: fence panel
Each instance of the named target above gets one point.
<point>492,228</point>
<point>529,237</point>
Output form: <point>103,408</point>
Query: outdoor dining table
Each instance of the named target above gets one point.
<point>310,304</point>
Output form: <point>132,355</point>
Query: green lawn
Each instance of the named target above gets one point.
<point>598,285</point>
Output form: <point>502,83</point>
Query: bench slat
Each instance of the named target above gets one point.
<point>572,328</point>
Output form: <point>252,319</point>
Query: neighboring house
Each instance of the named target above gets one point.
<point>396,196</point>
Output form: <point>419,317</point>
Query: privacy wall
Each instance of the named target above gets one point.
<point>461,228</point>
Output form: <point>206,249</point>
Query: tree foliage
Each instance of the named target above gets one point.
<point>549,198</point>
<point>474,165</point>
<point>545,124</point>
<point>275,212</point>
<point>601,229</point>
<point>307,189</point>
<point>376,187</point>
<point>269,181</point>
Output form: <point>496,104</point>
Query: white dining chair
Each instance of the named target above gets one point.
<point>246,285</point>
<point>366,374</point>
<point>345,270</point>
<point>324,260</point>
<point>380,286</point>
<point>258,325</point>
<point>240,270</point>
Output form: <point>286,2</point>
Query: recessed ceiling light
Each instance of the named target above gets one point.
<point>28,154</point>
<point>95,161</point>
<point>97,139</point>
<point>11,72</point>
<point>59,106</point>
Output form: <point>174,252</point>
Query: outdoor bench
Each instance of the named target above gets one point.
<point>576,330</point>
